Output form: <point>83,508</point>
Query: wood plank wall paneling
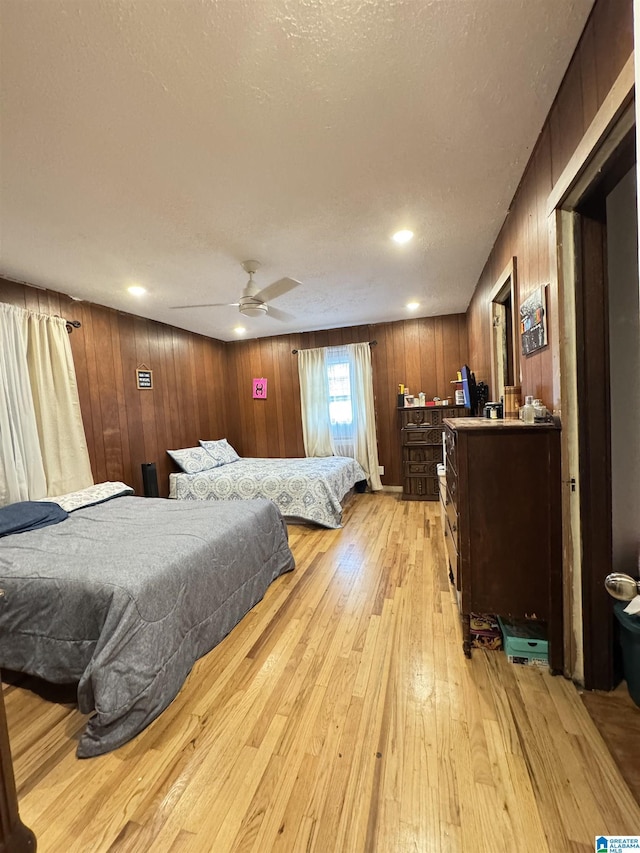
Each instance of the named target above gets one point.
<point>422,353</point>
<point>125,426</point>
<point>202,388</point>
<point>604,47</point>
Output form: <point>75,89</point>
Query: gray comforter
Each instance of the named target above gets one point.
<point>125,596</point>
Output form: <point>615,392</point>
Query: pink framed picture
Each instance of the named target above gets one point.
<point>260,389</point>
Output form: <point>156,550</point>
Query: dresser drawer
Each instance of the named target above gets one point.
<point>452,517</point>
<point>421,488</point>
<point>431,416</point>
<point>414,468</point>
<point>451,449</point>
<point>452,485</point>
<point>422,453</point>
<point>451,543</point>
<point>416,435</point>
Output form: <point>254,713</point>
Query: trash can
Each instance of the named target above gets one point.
<point>630,642</point>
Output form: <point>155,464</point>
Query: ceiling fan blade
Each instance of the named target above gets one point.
<point>279,315</point>
<point>209,305</point>
<point>278,288</point>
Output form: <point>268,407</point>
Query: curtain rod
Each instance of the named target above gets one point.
<point>296,351</point>
<point>72,324</point>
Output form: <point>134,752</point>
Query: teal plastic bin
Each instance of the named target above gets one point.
<point>630,642</point>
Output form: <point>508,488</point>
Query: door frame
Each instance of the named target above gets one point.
<point>506,285</point>
<point>583,591</point>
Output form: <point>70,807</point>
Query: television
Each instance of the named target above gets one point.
<point>469,389</point>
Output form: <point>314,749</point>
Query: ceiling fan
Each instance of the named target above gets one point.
<point>253,302</point>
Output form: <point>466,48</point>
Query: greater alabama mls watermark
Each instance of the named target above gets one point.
<point>611,843</point>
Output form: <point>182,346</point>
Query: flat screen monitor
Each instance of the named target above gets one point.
<point>469,389</point>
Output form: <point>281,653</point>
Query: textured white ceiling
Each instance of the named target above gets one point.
<point>164,142</point>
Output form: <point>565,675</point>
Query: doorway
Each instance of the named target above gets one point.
<point>505,363</point>
<point>607,336</point>
<point>599,227</point>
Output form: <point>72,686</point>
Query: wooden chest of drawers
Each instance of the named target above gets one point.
<point>503,522</point>
<point>421,436</point>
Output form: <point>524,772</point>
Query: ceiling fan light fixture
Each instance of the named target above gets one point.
<point>253,309</point>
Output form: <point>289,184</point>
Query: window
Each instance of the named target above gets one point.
<point>340,409</point>
<point>341,404</point>
<point>337,404</point>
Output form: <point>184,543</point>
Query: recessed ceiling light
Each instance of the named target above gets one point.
<point>136,290</point>
<point>403,236</point>
<point>239,330</point>
<point>413,306</point>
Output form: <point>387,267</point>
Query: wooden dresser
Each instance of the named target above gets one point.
<point>503,522</point>
<point>421,437</point>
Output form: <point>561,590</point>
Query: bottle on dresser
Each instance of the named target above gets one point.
<point>527,412</point>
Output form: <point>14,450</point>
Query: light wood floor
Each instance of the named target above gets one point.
<point>340,716</point>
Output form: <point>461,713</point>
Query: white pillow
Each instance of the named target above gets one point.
<point>220,451</point>
<point>192,460</point>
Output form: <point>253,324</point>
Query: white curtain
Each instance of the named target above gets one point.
<point>314,398</point>
<point>338,414</point>
<point>364,412</point>
<point>21,470</point>
<point>43,449</point>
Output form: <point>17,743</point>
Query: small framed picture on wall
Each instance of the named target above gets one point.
<point>533,321</point>
<point>260,389</point>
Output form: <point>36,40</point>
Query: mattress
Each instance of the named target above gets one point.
<point>310,488</point>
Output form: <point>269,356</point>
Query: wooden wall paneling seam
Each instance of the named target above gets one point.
<point>146,397</point>
<point>587,60</point>
<point>230,384</point>
<point>12,293</point>
<point>278,354</point>
<point>296,421</point>
<point>247,414</point>
<point>383,390</point>
<point>198,384</point>
<point>107,400</point>
<point>133,404</point>
<point>264,425</point>
<point>99,463</point>
<point>32,299</point>
<point>568,128</point>
<point>412,349</point>
<point>174,438</point>
<point>613,106</point>
<point>613,28</point>
<point>450,355</point>
<point>79,351</point>
<point>126,471</point>
<point>184,401</point>
<point>161,400</point>
<point>194,420</point>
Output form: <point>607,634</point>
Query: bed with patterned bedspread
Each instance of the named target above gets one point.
<point>311,489</point>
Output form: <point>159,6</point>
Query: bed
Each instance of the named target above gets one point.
<point>310,489</point>
<point>123,596</point>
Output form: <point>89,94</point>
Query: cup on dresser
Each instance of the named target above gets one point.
<point>511,400</point>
